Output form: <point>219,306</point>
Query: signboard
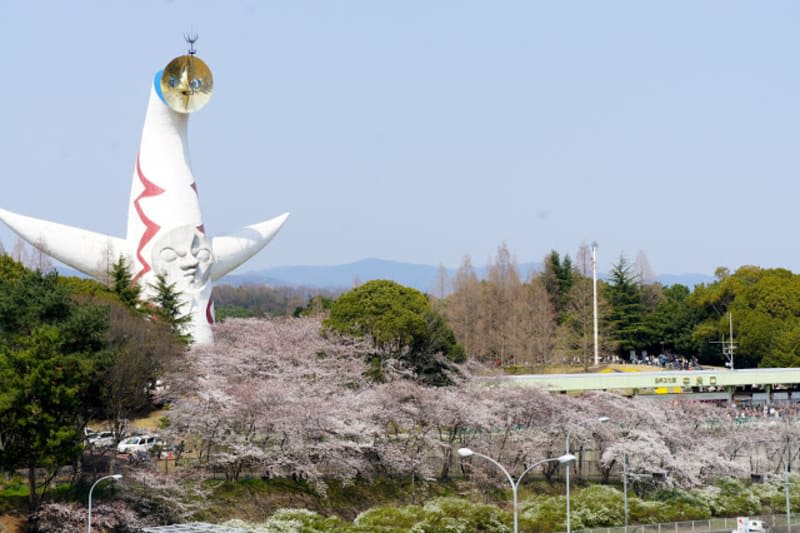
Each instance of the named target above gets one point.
<point>743,524</point>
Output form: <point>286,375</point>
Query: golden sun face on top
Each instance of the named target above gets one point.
<point>186,84</point>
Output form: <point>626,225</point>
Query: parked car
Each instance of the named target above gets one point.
<point>745,524</point>
<point>103,439</point>
<point>138,443</point>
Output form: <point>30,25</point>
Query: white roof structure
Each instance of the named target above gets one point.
<point>758,385</point>
<point>651,380</point>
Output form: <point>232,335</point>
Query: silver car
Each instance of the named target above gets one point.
<point>103,439</point>
<point>138,443</point>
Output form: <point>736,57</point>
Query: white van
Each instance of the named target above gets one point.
<point>139,443</point>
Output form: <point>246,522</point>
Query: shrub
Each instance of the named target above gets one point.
<point>729,497</point>
<point>773,495</point>
<point>405,516</point>
<point>460,516</point>
<point>293,521</point>
<point>546,514</point>
<point>597,506</point>
<point>683,505</point>
<point>453,515</point>
<point>646,512</point>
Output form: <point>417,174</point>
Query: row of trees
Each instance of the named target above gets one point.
<point>547,318</point>
<point>277,398</point>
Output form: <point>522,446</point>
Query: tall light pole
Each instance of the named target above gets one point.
<point>112,476</point>
<point>786,484</point>
<point>594,303</point>
<point>625,488</point>
<point>564,460</point>
<point>635,475</point>
<point>566,474</point>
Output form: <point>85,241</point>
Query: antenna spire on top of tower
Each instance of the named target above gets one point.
<point>191,38</point>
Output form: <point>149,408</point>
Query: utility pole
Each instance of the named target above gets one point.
<point>594,303</point>
<point>728,347</point>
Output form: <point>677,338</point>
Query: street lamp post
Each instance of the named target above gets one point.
<point>635,475</point>
<point>112,476</point>
<point>564,460</point>
<point>786,494</point>
<point>566,474</point>
<point>594,302</point>
<point>786,485</point>
<point>625,488</point>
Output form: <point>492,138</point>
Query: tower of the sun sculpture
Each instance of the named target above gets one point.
<point>165,226</point>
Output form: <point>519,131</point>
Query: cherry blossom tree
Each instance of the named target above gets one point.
<point>277,398</point>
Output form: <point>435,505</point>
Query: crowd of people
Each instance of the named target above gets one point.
<point>665,361</point>
<point>742,412</point>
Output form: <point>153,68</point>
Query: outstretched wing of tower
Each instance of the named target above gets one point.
<point>86,251</point>
<point>232,250</point>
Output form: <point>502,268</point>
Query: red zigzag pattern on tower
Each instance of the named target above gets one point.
<point>151,228</point>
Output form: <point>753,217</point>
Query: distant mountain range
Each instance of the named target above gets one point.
<point>342,277</point>
<point>420,277</point>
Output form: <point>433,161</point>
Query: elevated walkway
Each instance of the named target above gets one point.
<point>756,385</point>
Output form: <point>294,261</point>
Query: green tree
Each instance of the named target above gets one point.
<point>52,350</point>
<point>401,324</point>
<point>673,321</point>
<point>786,350</point>
<point>764,305</point>
<point>317,305</point>
<point>122,284</point>
<point>169,308</point>
<point>259,300</point>
<point>626,311</point>
<point>559,276</point>
<point>10,268</point>
<point>140,348</point>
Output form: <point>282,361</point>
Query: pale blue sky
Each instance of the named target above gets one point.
<point>423,131</point>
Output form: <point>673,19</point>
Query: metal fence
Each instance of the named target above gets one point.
<point>777,524</point>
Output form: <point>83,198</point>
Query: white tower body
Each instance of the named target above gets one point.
<point>165,233</point>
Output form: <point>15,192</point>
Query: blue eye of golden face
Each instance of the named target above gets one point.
<point>195,84</point>
<point>173,82</point>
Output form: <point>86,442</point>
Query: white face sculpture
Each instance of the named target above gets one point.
<point>183,255</point>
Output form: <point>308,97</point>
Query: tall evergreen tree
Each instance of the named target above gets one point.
<point>169,308</point>
<point>122,284</point>
<point>626,311</point>
<point>558,280</point>
<point>673,321</point>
